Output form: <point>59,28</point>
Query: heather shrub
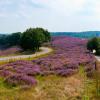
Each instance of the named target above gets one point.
<point>69,55</point>
<point>5,73</point>
<point>19,73</point>
<point>20,79</point>
<point>66,72</point>
<point>10,50</point>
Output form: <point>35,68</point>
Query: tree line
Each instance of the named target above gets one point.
<point>31,39</point>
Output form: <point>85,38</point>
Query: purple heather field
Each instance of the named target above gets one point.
<point>9,51</point>
<point>69,54</point>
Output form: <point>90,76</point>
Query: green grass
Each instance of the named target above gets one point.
<point>91,85</point>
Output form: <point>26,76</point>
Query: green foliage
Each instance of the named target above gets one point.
<point>98,52</point>
<point>46,34</point>
<point>3,39</point>
<point>33,38</point>
<point>13,39</point>
<point>94,44</point>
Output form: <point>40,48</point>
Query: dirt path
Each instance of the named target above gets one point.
<point>98,58</point>
<point>44,50</point>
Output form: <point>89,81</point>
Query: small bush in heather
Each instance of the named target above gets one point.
<point>66,72</point>
<point>20,79</point>
<point>5,73</point>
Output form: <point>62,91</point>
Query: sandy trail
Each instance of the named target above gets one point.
<point>98,58</point>
<point>44,50</point>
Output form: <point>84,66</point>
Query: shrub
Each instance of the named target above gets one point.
<point>98,52</point>
<point>18,79</point>
<point>94,44</point>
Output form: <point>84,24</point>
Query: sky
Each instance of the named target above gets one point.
<point>53,15</point>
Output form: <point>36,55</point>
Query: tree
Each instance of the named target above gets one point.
<point>98,52</point>
<point>13,39</point>
<point>32,39</point>
<point>94,44</point>
<point>46,34</point>
<point>3,39</point>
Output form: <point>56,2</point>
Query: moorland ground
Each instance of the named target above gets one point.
<point>69,73</point>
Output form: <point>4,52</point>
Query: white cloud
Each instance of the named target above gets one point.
<point>65,7</point>
<point>96,8</point>
<point>55,15</point>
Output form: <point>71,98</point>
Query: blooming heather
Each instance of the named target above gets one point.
<point>70,54</point>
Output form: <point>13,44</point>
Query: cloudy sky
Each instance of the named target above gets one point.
<point>54,15</point>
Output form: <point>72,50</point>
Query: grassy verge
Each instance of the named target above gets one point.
<point>91,85</point>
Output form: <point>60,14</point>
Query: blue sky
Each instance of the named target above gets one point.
<point>54,15</point>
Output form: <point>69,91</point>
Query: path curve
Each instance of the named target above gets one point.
<point>44,50</point>
<point>98,58</point>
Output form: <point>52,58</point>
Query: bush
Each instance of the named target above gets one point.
<point>94,44</point>
<point>17,79</point>
<point>98,52</point>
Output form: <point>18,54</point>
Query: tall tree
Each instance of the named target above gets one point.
<point>32,38</point>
